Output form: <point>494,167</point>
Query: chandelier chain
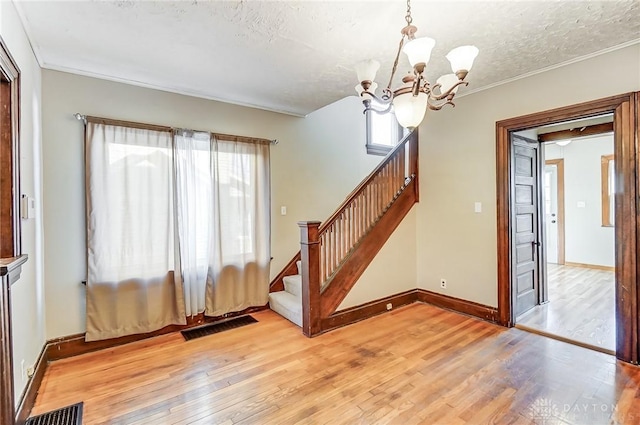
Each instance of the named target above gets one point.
<point>408,17</point>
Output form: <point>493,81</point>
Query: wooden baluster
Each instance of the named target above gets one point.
<point>378,197</point>
<point>353,224</point>
<point>383,188</point>
<point>310,254</point>
<point>336,253</point>
<point>350,226</point>
<point>369,205</point>
<point>400,169</point>
<point>340,237</point>
<point>333,248</point>
<point>389,183</point>
<point>413,161</point>
<point>322,254</point>
<point>358,216</point>
<point>343,239</point>
<point>398,174</point>
<point>347,226</point>
<point>394,176</point>
<point>390,175</point>
<point>327,247</point>
<point>374,201</point>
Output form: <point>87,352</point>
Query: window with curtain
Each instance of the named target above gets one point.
<point>177,225</point>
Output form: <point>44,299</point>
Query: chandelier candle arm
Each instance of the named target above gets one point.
<point>416,95</point>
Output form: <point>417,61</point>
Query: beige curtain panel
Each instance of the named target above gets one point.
<point>177,224</point>
<point>240,235</point>
<point>131,284</point>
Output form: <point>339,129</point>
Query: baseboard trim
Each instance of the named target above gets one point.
<point>590,266</point>
<point>373,308</point>
<point>470,308</point>
<point>28,398</point>
<point>365,311</point>
<point>75,345</point>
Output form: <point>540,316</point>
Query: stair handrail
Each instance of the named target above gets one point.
<point>366,181</point>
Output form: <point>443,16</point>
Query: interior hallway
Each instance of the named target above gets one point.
<point>417,364</point>
<point>581,307</point>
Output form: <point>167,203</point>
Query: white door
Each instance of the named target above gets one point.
<point>551,211</point>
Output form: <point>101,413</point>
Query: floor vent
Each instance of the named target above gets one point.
<point>70,415</point>
<point>215,328</point>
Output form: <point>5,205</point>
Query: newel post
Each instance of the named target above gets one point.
<point>310,254</point>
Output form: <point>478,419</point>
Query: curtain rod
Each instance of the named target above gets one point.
<point>221,136</point>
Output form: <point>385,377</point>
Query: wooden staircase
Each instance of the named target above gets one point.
<point>334,254</point>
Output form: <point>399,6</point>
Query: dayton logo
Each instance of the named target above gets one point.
<point>543,411</point>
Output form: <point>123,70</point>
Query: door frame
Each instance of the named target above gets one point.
<point>559,163</point>
<point>626,123</point>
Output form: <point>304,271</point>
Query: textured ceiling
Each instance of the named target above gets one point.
<point>298,56</point>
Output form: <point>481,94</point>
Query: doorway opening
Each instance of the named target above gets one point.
<point>626,129</point>
<point>575,184</point>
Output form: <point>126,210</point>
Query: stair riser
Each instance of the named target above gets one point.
<point>287,306</point>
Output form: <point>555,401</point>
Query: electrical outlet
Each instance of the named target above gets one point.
<point>24,371</point>
<point>389,306</point>
<point>443,283</point>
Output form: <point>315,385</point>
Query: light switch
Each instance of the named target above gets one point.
<point>283,210</point>
<point>28,207</point>
<point>581,204</point>
<point>478,207</point>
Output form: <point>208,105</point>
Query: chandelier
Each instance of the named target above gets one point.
<point>411,100</point>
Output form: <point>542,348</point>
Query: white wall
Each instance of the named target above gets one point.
<point>317,162</point>
<point>392,271</point>
<point>586,240</point>
<point>458,162</point>
<point>27,294</point>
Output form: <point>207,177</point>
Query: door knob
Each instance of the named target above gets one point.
<point>553,221</point>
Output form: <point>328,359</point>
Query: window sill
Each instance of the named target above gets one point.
<point>381,150</point>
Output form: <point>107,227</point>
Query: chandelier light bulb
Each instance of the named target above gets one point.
<point>419,50</point>
<point>461,58</point>
<point>367,70</point>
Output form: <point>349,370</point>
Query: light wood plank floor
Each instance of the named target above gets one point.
<point>415,365</point>
<point>581,306</point>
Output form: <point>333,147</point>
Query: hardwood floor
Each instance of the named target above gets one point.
<point>581,306</point>
<point>414,365</point>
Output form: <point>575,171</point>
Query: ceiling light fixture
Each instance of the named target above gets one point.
<point>412,99</point>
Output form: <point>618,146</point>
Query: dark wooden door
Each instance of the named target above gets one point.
<point>525,229</point>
